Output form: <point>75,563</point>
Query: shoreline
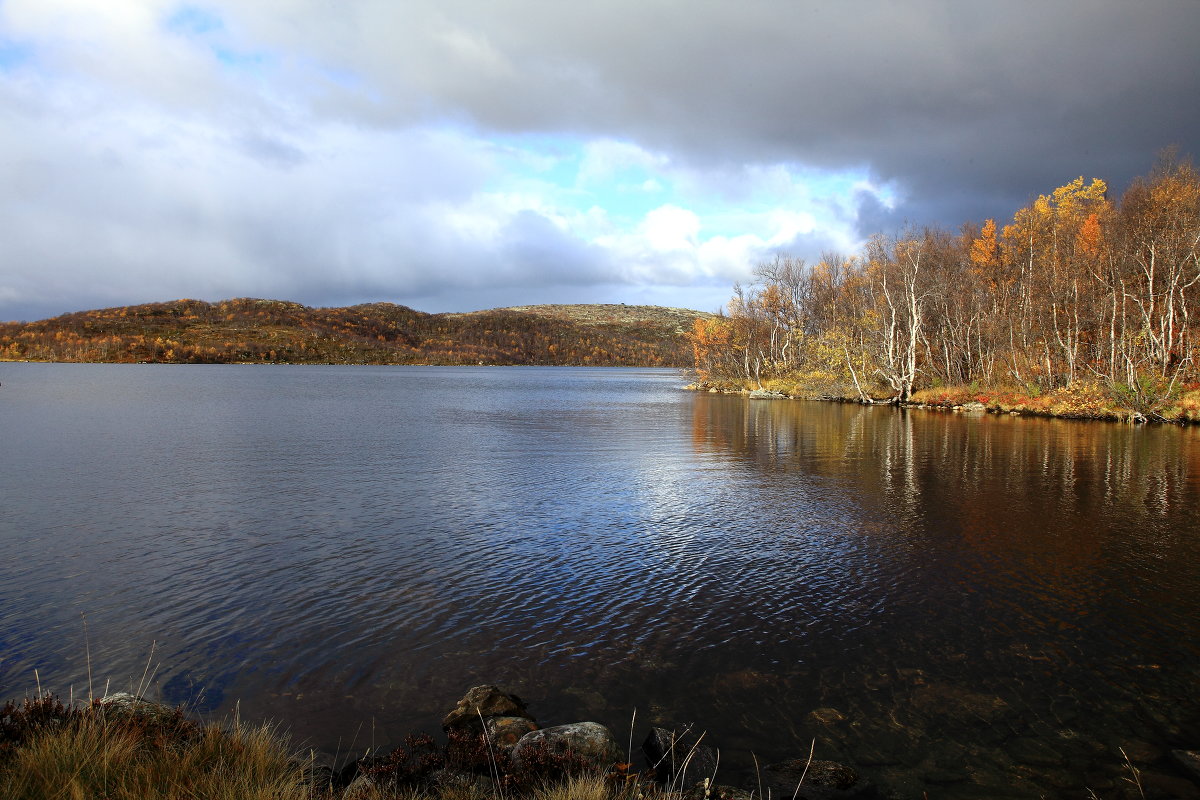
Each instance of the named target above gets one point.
<point>489,748</point>
<point>1082,404</point>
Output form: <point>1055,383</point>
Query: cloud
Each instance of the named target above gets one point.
<point>436,152</point>
<point>604,159</point>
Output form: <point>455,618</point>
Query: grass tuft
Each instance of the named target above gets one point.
<point>576,787</point>
<point>50,751</point>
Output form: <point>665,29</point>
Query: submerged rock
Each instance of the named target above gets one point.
<point>814,780</point>
<point>483,702</point>
<point>1140,752</point>
<point>1189,760</point>
<point>588,741</point>
<point>680,755</point>
<point>954,702</point>
<point>1034,752</point>
<point>1157,784</point>
<point>826,716</point>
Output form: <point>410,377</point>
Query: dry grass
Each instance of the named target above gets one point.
<point>1186,408</point>
<point>96,752</point>
<point>577,787</point>
<point>1080,400</point>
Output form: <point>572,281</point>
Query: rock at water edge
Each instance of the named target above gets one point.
<point>503,733</point>
<point>589,741</point>
<point>484,701</point>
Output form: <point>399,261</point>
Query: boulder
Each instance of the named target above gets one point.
<point>124,702</point>
<point>361,788</point>
<point>679,755</point>
<point>504,732</point>
<point>766,394</point>
<point>822,780</point>
<point>484,701</point>
<point>590,742</point>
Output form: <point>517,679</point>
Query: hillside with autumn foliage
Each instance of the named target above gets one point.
<point>246,330</point>
<point>1082,305</point>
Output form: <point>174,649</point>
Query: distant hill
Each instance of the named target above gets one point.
<point>248,330</point>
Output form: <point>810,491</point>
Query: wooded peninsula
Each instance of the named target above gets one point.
<point>1082,306</point>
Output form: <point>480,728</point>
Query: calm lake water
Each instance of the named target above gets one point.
<point>969,606</point>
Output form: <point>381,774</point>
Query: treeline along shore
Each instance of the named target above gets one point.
<point>1082,305</point>
<point>249,330</point>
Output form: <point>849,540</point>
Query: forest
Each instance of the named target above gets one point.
<point>247,330</point>
<point>1080,302</point>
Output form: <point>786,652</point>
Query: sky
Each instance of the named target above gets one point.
<point>454,155</point>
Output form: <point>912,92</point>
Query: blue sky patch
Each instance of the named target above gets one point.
<point>14,54</point>
<point>628,183</point>
<point>237,59</point>
<point>208,29</point>
<point>194,21</point>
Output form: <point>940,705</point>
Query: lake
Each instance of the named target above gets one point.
<point>964,605</point>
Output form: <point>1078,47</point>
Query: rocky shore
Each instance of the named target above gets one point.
<point>675,761</point>
<point>123,747</point>
<point>681,758</point>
